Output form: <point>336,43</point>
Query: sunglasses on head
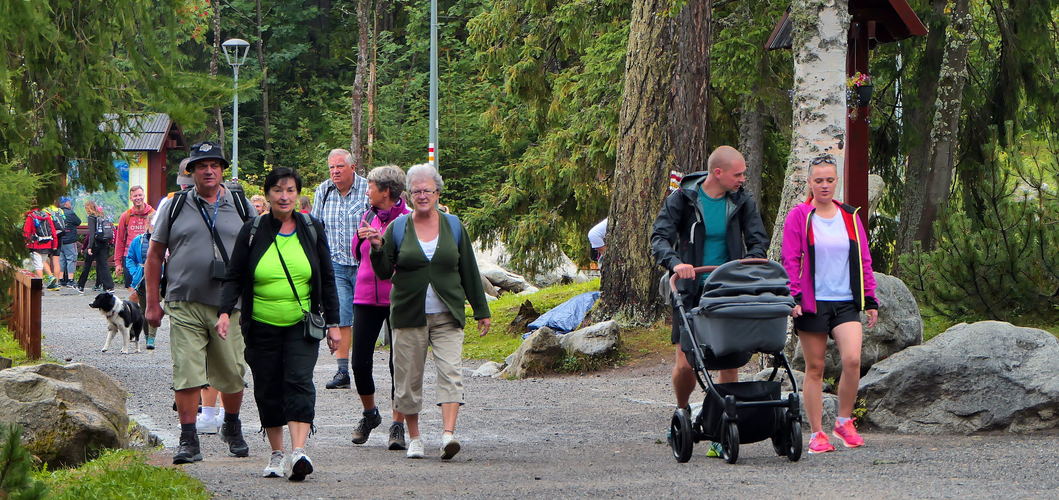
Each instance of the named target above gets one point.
<point>823,159</point>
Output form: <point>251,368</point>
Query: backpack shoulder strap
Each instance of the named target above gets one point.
<point>398,230</point>
<point>175,206</point>
<point>310,225</point>
<point>239,198</point>
<point>253,229</point>
<point>327,193</point>
<point>455,226</point>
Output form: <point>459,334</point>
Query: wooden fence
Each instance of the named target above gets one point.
<point>24,318</point>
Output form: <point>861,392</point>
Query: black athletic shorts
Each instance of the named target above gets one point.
<point>828,315</point>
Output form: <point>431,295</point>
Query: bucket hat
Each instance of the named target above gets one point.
<point>205,150</point>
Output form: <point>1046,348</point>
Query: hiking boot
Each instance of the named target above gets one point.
<point>150,343</point>
<point>80,289</point>
<point>371,420</point>
<point>340,381</point>
<point>188,451</point>
<point>449,446</point>
<point>396,441</point>
<point>415,449</point>
<point>847,434</point>
<point>53,284</point>
<point>298,465</point>
<point>820,444</point>
<point>232,433</point>
<point>275,465</point>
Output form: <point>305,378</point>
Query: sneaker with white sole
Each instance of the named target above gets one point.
<point>208,424</point>
<point>275,465</point>
<point>415,448</point>
<point>450,446</point>
<point>298,466</point>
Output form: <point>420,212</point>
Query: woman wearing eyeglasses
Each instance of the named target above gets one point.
<point>825,253</point>
<point>428,257</point>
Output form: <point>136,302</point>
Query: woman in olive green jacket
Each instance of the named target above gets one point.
<point>427,255</point>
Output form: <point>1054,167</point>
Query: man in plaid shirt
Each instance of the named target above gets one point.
<point>340,202</point>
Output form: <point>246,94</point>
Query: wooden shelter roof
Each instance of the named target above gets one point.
<point>889,21</point>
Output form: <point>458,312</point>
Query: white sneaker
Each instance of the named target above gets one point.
<point>298,465</point>
<point>275,465</point>
<point>208,425</point>
<point>415,449</point>
<point>450,446</point>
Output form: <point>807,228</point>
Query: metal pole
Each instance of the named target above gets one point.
<point>235,126</point>
<point>432,153</point>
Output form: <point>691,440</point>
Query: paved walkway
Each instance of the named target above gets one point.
<point>599,435</point>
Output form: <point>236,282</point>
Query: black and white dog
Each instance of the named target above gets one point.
<point>122,317</point>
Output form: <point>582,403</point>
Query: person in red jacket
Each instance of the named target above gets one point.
<point>132,223</point>
<point>41,240</point>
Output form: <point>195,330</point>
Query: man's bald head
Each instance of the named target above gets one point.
<point>724,157</point>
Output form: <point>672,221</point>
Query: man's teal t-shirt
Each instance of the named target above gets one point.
<point>715,220</point>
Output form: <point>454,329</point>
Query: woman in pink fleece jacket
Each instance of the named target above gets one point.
<point>825,253</point>
<point>371,300</point>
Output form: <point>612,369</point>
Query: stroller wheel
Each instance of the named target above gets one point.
<point>730,443</point>
<point>794,439</point>
<point>680,436</point>
<point>781,434</point>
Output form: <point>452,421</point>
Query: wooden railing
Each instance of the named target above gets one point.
<point>24,317</point>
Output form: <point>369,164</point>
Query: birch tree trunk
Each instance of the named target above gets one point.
<point>820,35</point>
<point>372,80</point>
<point>642,168</point>
<point>265,127</point>
<point>357,111</point>
<point>214,59</point>
<point>934,186</point>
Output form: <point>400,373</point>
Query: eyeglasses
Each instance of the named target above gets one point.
<point>824,158</point>
<point>424,192</point>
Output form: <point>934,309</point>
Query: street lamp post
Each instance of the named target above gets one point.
<point>235,51</point>
<point>432,157</point>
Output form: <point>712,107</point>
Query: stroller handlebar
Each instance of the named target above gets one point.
<point>706,269</point>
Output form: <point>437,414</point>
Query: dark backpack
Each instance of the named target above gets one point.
<point>308,221</point>
<point>104,229</point>
<point>181,197</point>
<point>59,220</point>
<point>41,229</point>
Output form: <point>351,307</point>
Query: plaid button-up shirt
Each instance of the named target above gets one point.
<point>340,215</point>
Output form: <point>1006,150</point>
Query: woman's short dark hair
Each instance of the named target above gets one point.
<point>279,173</point>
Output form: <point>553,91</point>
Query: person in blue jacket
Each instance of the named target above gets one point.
<point>135,257</point>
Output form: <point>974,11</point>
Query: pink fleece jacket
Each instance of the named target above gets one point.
<point>369,289</point>
<point>798,256</point>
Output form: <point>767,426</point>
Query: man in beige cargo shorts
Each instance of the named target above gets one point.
<point>198,228</point>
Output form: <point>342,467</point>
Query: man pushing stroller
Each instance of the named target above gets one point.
<point>710,220</point>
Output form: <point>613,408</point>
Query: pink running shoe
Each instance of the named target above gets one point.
<point>848,434</point>
<point>820,444</point>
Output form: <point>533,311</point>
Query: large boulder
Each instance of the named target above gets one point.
<point>899,326</point>
<point>972,377</point>
<point>503,279</point>
<point>68,413</point>
<point>538,354</point>
<point>598,340</point>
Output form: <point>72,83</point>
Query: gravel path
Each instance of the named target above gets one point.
<point>596,435</point>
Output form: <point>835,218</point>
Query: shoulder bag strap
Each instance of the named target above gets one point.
<point>286,272</point>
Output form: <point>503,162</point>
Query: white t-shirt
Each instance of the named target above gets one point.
<point>597,236</point>
<point>831,281</point>
<point>433,303</point>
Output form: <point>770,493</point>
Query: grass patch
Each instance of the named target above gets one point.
<point>9,348</point>
<point>121,474</point>
<point>502,340</point>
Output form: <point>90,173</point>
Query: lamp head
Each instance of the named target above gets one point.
<point>235,51</point>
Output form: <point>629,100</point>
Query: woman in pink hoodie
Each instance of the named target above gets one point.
<point>371,300</point>
<point>825,253</point>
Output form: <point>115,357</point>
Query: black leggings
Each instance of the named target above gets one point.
<point>282,363</point>
<point>367,320</point>
<point>100,254</point>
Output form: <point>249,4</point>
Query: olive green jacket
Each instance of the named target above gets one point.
<point>453,272</point>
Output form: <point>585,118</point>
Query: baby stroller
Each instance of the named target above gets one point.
<point>743,309</point>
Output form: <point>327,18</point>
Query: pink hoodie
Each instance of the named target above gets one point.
<point>798,256</point>
<point>370,290</point>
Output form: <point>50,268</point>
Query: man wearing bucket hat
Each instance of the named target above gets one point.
<point>198,228</point>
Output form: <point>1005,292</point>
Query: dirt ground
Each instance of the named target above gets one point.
<point>599,435</point>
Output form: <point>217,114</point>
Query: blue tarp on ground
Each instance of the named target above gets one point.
<point>567,316</point>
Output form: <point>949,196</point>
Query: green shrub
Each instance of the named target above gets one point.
<point>122,474</point>
<point>998,260</point>
<point>16,465</point>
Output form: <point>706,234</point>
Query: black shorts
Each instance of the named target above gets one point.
<point>828,315</point>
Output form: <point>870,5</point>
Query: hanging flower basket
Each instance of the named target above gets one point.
<point>858,90</point>
<point>864,95</point>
